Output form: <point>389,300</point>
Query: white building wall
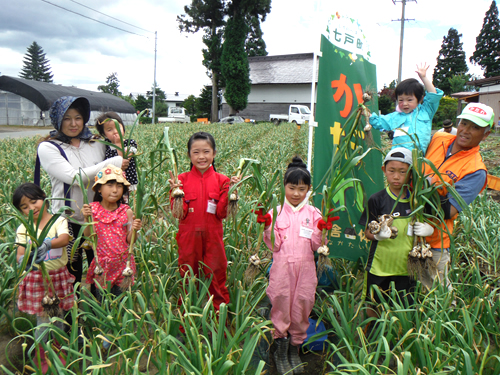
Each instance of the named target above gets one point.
<point>299,93</point>
<point>489,88</point>
<point>293,93</point>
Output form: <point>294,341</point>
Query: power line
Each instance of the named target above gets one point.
<point>107,15</point>
<point>93,19</point>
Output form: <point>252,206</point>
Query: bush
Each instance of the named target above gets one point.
<point>447,110</point>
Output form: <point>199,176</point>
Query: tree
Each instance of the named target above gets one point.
<point>393,84</point>
<point>234,59</point>
<point>159,93</point>
<point>255,45</point>
<point>190,104</point>
<point>447,110</point>
<point>111,86</point>
<point>36,65</point>
<point>387,99</point>
<point>207,15</point>
<point>487,50</point>
<point>204,102</point>
<point>450,61</point>
<point>458,83</point>
<point>235,67</point>
<point>161,108</point>
<point>141,103</point>
<point>129,98</point>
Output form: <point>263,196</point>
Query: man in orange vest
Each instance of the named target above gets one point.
<point>459,163</point>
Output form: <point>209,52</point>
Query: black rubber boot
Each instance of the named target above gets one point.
<point>281,356</point>
<point>295,362</point>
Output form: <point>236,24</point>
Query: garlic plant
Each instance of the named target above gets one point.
<point>141,198</point>
<point>50,301</point>
<point>346,157</point>
<point>426,208</point>
<point>92,238</point>
<point>367,96</point>
<point>177,193</point>
<point>267,200</point>
<point>232,207</point>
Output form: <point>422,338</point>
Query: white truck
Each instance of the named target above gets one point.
<point>298,114</point>
<point>175,114</point>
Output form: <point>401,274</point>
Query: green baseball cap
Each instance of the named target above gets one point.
<point>479,113</point>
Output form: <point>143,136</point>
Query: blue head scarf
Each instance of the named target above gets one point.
<point>57,111</point>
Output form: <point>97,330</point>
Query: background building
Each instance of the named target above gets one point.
<point>27,102</point>
<point>277,81</point>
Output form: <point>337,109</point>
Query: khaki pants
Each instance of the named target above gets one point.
<point>442,260</point>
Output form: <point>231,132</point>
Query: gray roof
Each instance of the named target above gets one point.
<point>281,69</point>
<point>484,82</point>
<point>43,94</point>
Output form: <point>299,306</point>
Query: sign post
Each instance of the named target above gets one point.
<point>344,74</point>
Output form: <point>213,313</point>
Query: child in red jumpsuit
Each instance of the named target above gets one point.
<point>205,205</point>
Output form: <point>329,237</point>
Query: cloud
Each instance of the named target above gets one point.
<point>83,52</point>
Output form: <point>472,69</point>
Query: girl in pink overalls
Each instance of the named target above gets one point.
<point>293,281</point>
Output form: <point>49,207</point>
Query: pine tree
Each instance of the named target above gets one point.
<point>36,65</point>
<point>207,15</point>
<point>255,45</point>
<point>450,62</point>
<point>487,50</point>
<point>235,67</point>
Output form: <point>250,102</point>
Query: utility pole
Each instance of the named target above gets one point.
<point>154,86</point>
<point>403,2</point>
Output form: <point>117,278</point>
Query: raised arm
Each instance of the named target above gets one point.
<point>422,73</point>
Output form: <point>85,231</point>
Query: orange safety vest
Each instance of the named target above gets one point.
<point>453,169</point>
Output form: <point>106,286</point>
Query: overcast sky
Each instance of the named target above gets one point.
<point>83,52</point>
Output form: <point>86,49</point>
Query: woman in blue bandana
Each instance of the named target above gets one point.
<point>71,149</point>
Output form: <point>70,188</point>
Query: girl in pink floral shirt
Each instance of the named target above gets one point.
<point>113,224</point>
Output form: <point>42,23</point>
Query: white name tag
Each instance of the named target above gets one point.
<point>54,254</point>
<point>305,232</point>
<point>211,207</point>
<point>410,230</point>
<point>399,132</point>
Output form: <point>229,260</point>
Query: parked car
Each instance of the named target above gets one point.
<point>235,120</point>
<point>298,114</point>
<point>175,114</point>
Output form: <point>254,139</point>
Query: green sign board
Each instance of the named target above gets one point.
<point>343,76</point>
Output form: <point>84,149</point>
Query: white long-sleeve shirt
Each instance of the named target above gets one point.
<point>87,159</point>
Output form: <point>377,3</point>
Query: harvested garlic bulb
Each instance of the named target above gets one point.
<point>255,260</point>
<point>127,272</point>
<point>324,250</point>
